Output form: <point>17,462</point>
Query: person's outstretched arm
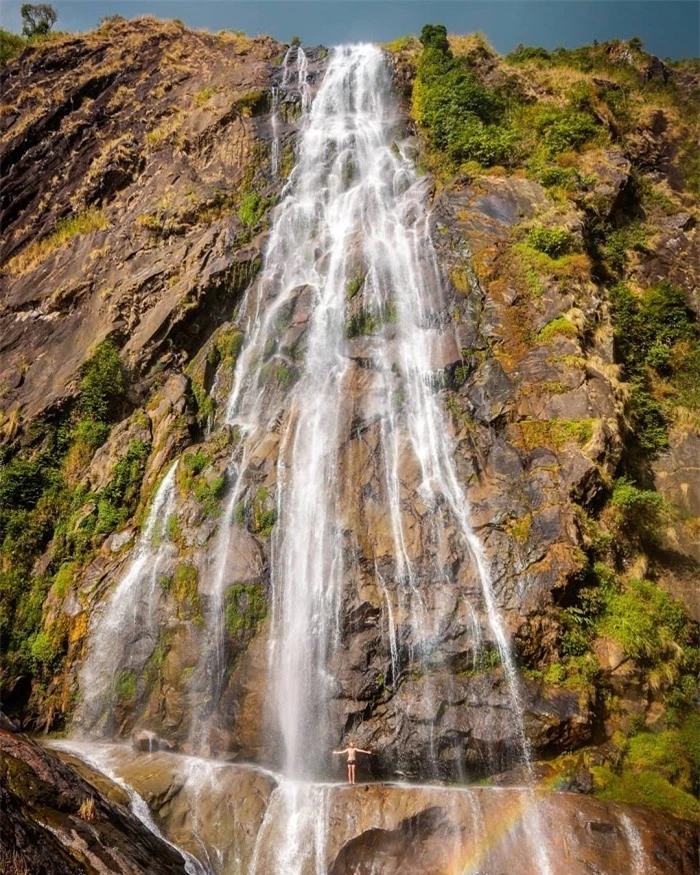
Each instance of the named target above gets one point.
<point>359,750</point>
<point>340,751</point>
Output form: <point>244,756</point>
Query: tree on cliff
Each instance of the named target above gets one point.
<point>38,18</point>
<point>435,36</point>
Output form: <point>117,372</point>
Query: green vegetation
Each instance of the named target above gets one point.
<point>657,341</point>
<point>466,120</point>
<point>226,348</point>
<point>37,18</point>
<point>563,129</point>
<point>209,493</point>
<point>370,320</point>
<point>11,44</point>
<point>459,413</point>
<point>195,476</point>
<point>246,607</point>
<point>251,103</point>
<point>400,44</point>
<point>263,516</point>
<point>223,351</point>
<point>280,371</point>
<point>554,242</point>
<point>251,209</point>
<point>206,406</point>
<point>520,529</point>
<point>637,514</point>
<point>125,685</point>
<point>646,788</point>
<point>354,285</point>
<point>661,769</point>
<point>460,116</point>
<point>486,659</point>
<point>117,502</point>
<point>102,388</point>
<point>45,647</point>
<point>287,161</point>
<point>182,586</point>
<point>41,503</point>
<point>559,327</point>
<point>647,624</point>
<point>64,578</point>
<point>580,673</point>
<point>619,243</point>
<point>205,95</point>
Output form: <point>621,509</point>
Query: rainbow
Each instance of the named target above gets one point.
<point>500,824</point>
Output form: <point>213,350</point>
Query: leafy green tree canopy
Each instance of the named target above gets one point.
<point>434,36</point>
<point>38,18</point>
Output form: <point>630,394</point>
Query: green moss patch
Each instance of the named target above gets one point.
<point>124,686</point>
<point>661,769</point>
<point>370,320</point>
<point>182,586</point>
<point>246,608</point>
<point>264,517</point>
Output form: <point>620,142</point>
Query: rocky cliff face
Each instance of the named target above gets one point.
<point>138,180</point>
<point>135,145</point>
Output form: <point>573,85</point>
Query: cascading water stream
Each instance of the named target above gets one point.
<point>123,632</point>
<point>99,758</point>
<point>353,201</point>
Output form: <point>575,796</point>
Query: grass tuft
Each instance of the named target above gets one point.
<point>85,222</point>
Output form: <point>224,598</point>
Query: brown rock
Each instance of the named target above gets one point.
<point>54,821</point>
<point>431,831</point>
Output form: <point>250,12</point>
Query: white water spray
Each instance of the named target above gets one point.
<point>354,208</point>
<point>124,630</point>
<point>99,757</point>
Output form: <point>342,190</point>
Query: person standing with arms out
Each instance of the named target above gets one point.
<point>352,752</point>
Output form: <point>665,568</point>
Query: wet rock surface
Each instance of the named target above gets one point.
<point>391,829</point>
<point>211,809</point>
<point>433,832</point>
<point>55,822</point>
<point>237,818</point>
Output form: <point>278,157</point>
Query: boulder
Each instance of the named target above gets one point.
<point>212,809</point>
<point>56,823</point>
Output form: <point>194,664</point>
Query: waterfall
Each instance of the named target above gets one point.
<point>636,847</point>
<point>124,630</point>
<point>354,215</point>
<point>99,759</point>
<point>343,329</point>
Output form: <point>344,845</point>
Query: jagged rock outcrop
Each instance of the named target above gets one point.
<point>54,822</point>
<point>148,161</point>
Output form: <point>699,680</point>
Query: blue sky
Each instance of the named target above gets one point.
<point>668,27</point>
